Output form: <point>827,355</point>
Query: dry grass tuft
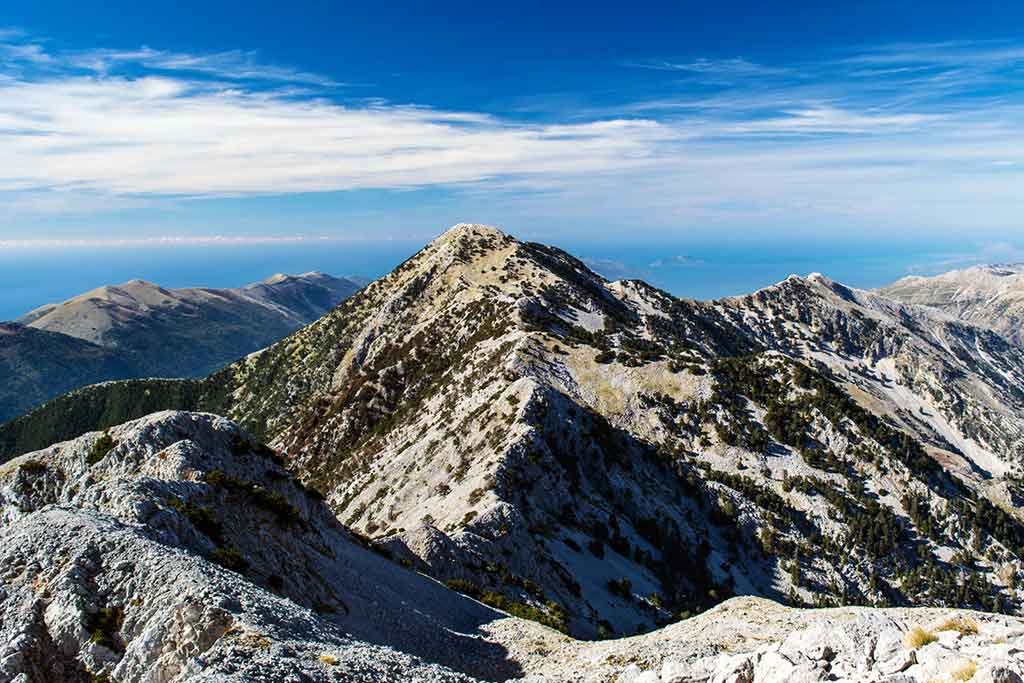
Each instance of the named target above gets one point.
<point>964,672</point>
<point>962,625</point>
<point>918,637</point>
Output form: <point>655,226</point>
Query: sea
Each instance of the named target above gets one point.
<point>697,270</point>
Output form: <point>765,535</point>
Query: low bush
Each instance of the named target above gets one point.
<point>104,625</point>
<point>229,558</point>
<point>556,619</point>
<point>964,672</point>
<point>33,467</point>
<point>200,517</point>
<point>100,448</point>
<point>271,501</point>
<point>621,587</point>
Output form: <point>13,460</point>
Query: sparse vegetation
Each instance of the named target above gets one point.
<point>965,626</point>
<point>964,671</point>
<point>623,588</point>
<point>100,448</point>
<point>33,467</point>
<point>917,637</point>
<point>554,618</point>
<point>200,517</point>
<point>271,501</point>
<point>104,625</point>
<point>229,557</point>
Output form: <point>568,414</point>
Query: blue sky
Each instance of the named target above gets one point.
<point>153,124</point>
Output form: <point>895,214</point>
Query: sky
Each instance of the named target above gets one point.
<point>665,127</point>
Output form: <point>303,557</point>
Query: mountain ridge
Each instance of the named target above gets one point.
<point>177,548</point>
<point>988,295</point>
<point>758,444</point>
<point>139,329</point>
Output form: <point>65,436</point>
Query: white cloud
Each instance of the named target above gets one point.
<point>27,52</point>
<point>678,261</point>
<point>825,141</point>
<point>992,253</point>
<point>162,241</point>
<point>163,135</point>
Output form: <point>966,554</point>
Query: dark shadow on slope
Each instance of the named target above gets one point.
<point>98,407</point>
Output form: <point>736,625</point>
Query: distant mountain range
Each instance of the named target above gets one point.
<point>991,296</point>
<point>139,329</point>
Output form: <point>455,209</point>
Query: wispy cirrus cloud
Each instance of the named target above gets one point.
<point>736,66</point>
<point>164,241</point>
<point>151,122</point>
<point>27,52</point>
<point>878,135</point>
<point>232,65</point>
<point>947,53</point>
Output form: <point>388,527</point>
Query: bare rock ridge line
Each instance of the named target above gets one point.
<point>139,329</point>
<point>991,296</point>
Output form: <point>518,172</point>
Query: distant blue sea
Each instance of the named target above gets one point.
<point>703,271</point>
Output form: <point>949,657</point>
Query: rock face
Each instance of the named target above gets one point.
<point>605,458</point>
<point>176,548</point>
<point>139,329</point>
<point>990,296</point>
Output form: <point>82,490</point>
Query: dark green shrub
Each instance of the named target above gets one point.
<point>465,587</point>
<point>103,626</point>
<point>230,558</point>
<point>100,448</point>
<point>200,517</point>
<point>621,587</point>
<point>33,467</point>
<point>271,501</point>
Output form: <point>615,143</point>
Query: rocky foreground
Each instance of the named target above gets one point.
<point>176,548</point>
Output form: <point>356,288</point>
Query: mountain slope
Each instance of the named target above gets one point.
<point>990,296</point>
<point>176,549</point>
<point>190,332</point>
<point>37,365</point>
<point>613,457</point>
<point>141,330</point>
<point>111,543</point>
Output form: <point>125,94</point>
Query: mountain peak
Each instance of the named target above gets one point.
<point>139,282</point>
<point>988,295</point>
<point>475,230</point>
<point>311,276</point>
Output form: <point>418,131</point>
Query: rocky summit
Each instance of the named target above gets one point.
<point>493,452</point>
